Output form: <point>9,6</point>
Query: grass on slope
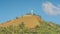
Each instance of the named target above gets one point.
<point>44,28</point>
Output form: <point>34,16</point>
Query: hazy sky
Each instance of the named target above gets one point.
<point>49,10</point>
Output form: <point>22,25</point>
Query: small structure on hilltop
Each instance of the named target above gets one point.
<point>30,14</point>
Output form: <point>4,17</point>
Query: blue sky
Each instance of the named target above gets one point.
<point>49,10</point>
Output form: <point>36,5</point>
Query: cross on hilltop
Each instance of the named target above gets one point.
<point>32,12</point>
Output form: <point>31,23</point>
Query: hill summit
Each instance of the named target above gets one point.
<point>29,20</point>
<point>29,24</point>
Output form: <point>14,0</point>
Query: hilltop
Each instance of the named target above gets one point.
<point>29,24</point>
<point>29,20</point>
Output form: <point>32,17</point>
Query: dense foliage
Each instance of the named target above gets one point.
<point>44,28</point>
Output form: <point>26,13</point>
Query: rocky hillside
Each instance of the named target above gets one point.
<point>29,24</point>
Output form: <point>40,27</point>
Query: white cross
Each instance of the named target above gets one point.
<point>32,12</point>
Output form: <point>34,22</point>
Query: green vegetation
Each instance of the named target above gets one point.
<point>44,28</point>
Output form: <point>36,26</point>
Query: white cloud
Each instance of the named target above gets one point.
<point>51,9</point>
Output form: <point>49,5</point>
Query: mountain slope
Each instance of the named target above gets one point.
<point>30,21</point>
<point>29,24</point>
